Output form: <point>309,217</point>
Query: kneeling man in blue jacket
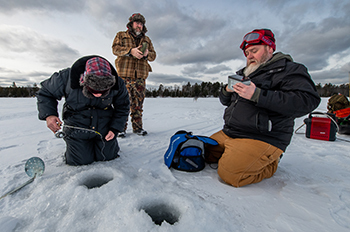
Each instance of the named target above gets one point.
<point>95,109</point>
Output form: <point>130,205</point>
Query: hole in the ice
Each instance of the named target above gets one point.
<point>96,181</point>
<point>160,212</point>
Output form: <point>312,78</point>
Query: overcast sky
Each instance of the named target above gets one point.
<point>195,40</point>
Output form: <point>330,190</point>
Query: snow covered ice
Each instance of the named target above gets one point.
<point>309,192</point>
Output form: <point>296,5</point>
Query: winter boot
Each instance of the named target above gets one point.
<point>141,132</point>
<point>122,134</point>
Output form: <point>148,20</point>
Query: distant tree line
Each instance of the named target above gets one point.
<point>15,91</point>
<point>208,89</point>
<point>205,89</point>
<point>328,89</point>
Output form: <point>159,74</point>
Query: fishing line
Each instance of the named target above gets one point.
<point>61,134</point>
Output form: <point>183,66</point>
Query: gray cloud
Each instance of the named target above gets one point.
<point>217,69</point>
<point>48,51</point>
<point>62,5</point>
<point>311,31</point>
<point>217,50</point>
<point>155,79</point>
<point>336,76</point>
<point>313,43</point>
<point>200,69</point>
<point>21,78</point>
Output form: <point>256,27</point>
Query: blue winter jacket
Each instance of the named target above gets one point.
<point>99,114</point>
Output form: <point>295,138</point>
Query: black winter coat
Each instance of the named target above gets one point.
<point>287,92</point>
<point>99,114</point>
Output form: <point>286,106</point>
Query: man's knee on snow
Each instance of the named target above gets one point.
<point>241,176</point>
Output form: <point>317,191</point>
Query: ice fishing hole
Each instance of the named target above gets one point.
<point>160,212</point>
<point>96,181</point>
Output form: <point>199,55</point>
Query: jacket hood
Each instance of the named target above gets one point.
<point>278,56</point>
<point>275,58</point>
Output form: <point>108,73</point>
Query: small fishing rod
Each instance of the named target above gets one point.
<point>61,134</point>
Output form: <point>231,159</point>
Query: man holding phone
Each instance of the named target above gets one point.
<point>134,50</point>
<point>259,117</point>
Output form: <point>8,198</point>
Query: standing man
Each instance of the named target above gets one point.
<point>134,49</point>
<point>95,109</point>
<point>259,117</point>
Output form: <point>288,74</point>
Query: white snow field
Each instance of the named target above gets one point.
<point>309,192</point>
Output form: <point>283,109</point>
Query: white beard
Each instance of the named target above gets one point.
<point>250,69</point>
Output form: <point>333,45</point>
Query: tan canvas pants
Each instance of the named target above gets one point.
<point>242,161</point>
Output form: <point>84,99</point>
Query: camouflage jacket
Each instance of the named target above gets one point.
<point>126,64</point>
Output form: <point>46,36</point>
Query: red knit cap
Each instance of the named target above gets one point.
<point>97,77</point>
<point>97,66</point>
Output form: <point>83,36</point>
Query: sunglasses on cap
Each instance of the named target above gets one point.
<point>97,91</point>
<point>256,38</point>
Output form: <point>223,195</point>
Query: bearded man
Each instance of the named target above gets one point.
<point>134,49</point>
<point>259,117</point>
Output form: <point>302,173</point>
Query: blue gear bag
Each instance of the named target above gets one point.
<point>186,151</point>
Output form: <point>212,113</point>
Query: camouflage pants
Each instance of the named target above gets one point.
<point>137,89</point>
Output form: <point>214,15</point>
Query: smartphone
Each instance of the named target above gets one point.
<point>234,79</point>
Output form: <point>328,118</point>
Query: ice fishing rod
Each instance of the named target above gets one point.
<point>34,167</point>
<point>60,134</point>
